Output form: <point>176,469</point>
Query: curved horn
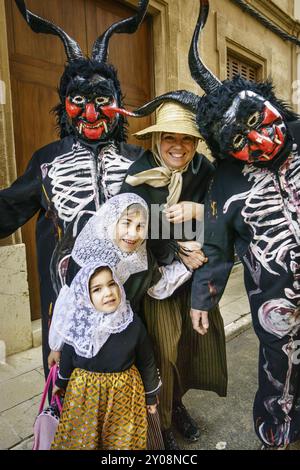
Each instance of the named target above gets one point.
<point>183,97</point>
<point>200,73</point>
<point>129,26</point>
<point>40,25</point>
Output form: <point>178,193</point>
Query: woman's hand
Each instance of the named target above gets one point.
<point>200,321</point>
<point>190,246</point>
<point>152,409</point>
<point>191,254</point>
<point>184,211</point>
<point>53,358</point>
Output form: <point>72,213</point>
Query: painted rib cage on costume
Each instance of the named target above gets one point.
<point>253,204</point>
<point>68,180</point>
<point>255,214</point>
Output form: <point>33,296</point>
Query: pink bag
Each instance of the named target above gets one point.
<point>47,420</point>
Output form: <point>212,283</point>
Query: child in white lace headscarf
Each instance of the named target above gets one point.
<point>116,235</point>
<point>107,365</point>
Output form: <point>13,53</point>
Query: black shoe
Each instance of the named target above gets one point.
<point>169,440</point>
<point>185,424</point>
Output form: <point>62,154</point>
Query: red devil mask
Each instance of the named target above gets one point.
<point>252,129</point>
<point>91,105</point>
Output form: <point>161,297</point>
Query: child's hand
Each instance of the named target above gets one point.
<point>53,358</point>
<point>152,409</point>
<point>57,391</point>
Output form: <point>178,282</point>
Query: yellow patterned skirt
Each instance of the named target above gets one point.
<point>103,411</point>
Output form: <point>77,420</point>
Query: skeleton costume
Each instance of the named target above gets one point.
<point>253,205</point>
<point>107,366</point>
<point>68,180</point>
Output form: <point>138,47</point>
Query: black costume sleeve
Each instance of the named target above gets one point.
<point>209,281</point>
<point>21,200</point>
<point>66,366</point>
<point>153,266</point>
<point>165,251</point>
<point>145,362</point>
<point>72,270</point>
<point>137,284</point>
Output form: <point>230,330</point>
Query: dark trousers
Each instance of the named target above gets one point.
<point>276,409</point>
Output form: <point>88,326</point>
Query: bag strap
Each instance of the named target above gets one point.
<point>51,379</point>
<point>56,400</point>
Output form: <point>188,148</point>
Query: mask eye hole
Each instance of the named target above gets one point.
<point>78,99</point>
<point>239,141</point>
<point>253,120</point>
<point>102,100</point>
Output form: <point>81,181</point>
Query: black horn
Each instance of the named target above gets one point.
<point>200,73</point>
<point>128,25</point>
<point>40,25</point>
<point>186,98</point>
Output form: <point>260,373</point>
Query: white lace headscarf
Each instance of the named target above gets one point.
<point>79,323</point>
<point>96,243</point>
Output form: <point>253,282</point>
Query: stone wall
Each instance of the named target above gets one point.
<point>15,323</point>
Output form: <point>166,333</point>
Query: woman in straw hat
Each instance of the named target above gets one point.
<point>173,179</point>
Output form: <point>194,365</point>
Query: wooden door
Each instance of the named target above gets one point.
<point>36,64</point>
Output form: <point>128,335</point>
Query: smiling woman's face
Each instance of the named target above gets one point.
<point>177,150</point>
<point>131,229</point>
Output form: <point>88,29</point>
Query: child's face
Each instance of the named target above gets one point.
<point>104,291</point>
<point>131,230</point>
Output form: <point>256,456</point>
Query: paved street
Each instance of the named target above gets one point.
<point>227,422</point>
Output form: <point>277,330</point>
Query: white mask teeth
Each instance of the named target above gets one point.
<point>105,126</point>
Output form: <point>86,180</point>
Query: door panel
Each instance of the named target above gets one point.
<point>68,14</point>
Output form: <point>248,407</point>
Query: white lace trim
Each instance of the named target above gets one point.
<point>62,378</point>
<point>173,276</point>
<point>156,389</point>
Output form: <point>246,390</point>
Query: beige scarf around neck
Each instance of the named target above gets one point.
<point>161,175</point>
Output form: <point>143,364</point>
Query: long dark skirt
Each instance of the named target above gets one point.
<point>186,359</point>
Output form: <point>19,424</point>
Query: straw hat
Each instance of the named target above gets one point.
<point>172,117</point>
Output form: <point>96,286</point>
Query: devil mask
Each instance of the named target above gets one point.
<point>91,102</point>
<point>238,119</point>
<point>251,130</point>
<point>90,95</point>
